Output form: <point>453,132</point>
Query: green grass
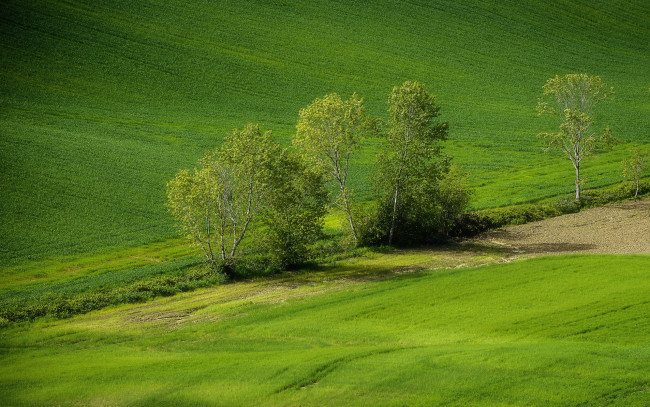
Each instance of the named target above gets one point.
<point>555,331</point>
<point>102,102</point>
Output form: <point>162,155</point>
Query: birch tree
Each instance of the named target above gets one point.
<point>412,161</point>
<point>634,167</point>
<point>572,98</point>
<point>329,132</point>
<point>216,205</point>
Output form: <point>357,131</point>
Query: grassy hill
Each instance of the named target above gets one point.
<point>102,102</point>
<point>556,331</point>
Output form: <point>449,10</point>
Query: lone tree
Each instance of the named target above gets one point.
<point>329,131</point>
<point>573,98</point>
<point>413,162</point>
<point>634,167</point>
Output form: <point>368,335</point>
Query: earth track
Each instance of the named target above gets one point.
<point>622,228</point>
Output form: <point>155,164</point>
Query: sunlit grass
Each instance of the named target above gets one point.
<point>553,331</point>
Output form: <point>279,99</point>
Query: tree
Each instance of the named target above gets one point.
<point>216,205</point>
<point>454,194</point>
<point>574,97</point>
<point>412,162</point>
<point>634,167</point>
<point>294,216</point>
<point>329,131</point>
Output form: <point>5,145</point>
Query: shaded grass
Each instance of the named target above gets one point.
<point>131,276</point>
<point>566,330</point>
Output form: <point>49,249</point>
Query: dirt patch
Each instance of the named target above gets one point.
<point>622,228</point>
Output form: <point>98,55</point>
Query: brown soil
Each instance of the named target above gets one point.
<point>622,228</point>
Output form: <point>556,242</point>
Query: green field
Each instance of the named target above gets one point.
<point>556,331</point>
<point>102,102</point>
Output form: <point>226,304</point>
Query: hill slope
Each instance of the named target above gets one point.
<point>557,331</point>
<point>102,102</point>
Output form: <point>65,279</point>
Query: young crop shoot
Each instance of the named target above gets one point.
<point>572,98</point>
<point>329,132</point>
<point>634,167</point>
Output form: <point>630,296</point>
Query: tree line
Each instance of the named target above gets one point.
<point>277,197</point>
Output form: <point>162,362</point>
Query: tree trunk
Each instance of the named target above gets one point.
<point>636,194</point>
<point>577,182</point>
<point>349,211</point>
<point>392,223</point>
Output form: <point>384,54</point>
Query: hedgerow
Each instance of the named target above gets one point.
<point>474,223</point>
<point>64,306</point>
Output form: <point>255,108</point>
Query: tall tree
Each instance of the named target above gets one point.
<point>216,205</point>
<point>413,158</point>
<point>634,167</point>
<point>573,98</point>
<point>329,131</point>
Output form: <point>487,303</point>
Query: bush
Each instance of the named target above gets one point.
<point>422,217</point>
<point>61,307</point>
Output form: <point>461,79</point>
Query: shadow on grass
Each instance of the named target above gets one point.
<point>556,248</point>
<point>387,263</point>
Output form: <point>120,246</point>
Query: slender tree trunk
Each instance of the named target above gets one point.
<point>636,194</point>
<point>349,212</point>
<point>577,166</point>
<point>392,222</point>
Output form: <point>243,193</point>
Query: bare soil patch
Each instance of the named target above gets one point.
<point>622,228</point>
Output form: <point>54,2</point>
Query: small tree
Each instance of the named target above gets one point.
<point>634,167</point>
<point>216,205</point>
<point>454,194</point>
<point>294,216</point>
<point>412,163</point>
<point>329,131</point>
<point>574,97</point>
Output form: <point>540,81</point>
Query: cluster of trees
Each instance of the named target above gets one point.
<point>253,187</point>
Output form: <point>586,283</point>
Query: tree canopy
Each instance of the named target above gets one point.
<point>572,98</point>
<point>412,161</point>
<point>329,132</point>
<point>250,175</point>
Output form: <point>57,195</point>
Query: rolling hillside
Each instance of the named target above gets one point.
<point>102,102</point>
<point>555,331</point>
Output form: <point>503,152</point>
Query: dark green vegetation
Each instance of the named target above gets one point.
<point>560,331</point>
<point>102,102</point>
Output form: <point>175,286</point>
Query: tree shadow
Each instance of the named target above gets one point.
<point>554,248</point>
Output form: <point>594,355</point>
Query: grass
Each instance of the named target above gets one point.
<point>102,102</point>
<point>560,331</point>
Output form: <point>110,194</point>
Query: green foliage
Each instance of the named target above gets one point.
<point>295,212</point>
<point>575,95</point>
<point>411,165</point>
<point>74,297</point>
<point>454,194</point>
<point>634,167</point>
<point>329,132</point>
<point>218,203</point>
